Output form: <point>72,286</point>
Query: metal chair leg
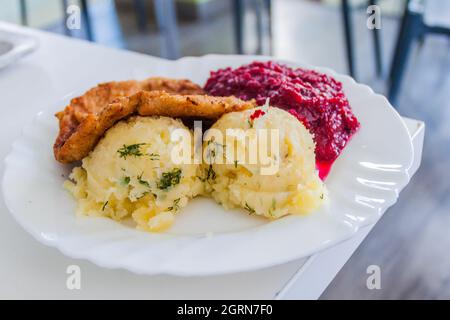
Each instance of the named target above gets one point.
<point>167,24</point>
<point>87,20</point>
<point>140,9</point>
<point>67,31</point>
<point>412,27</point>
<point>377,47</point>
<point>348,36</point>
<point>268,4</point>
<point>23,12</point>
<point>378,52</point>
<point>238,17</point>
<point>258,6</point>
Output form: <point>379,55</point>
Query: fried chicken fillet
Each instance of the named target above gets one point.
<point>84,121</point>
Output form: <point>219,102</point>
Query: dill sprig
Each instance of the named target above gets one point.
<point>249,209</point>
<point>130,150</point>
<point>273,207</point>
<point>126,180</point>
<point>169,179</point>
<point>175,206</point>
<point>210,174</point>
<point>143,194</point>
<point>142,181</point>
<point>154,156</point>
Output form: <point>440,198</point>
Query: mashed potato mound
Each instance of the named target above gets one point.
<point>130,173</point>
<point>294,188</point>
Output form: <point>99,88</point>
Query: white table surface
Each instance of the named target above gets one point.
<point>30,270</point>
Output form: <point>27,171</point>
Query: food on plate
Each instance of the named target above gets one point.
<point>82,111</point>
<point>96,99</point>
<point>131,173</point>
<point>80,130</point>
<point>292,186</point>
<point>277,131</point>
<point>316,99</point>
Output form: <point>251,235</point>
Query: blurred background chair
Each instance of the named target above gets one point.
<point>166,19</point>
<point>421,17</point>
<point>349,43</point>
<point>141,17</point>
<point>86,18</point>
<point>23,12</point>
<point>165,16</point>
<point>84,12</point>
<point>263,13</point>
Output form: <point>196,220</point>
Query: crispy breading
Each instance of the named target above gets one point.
<point>96,99</point>
<point>177,106</point>
<point>83,138</point>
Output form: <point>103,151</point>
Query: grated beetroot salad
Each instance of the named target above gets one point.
<point>316,99</point>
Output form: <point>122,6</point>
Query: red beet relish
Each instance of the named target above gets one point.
<point>314,98</point>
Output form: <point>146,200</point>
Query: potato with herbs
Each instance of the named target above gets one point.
<point>131,173</point>
<point>283,178</point>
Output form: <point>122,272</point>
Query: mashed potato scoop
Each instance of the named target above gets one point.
<point>261,160</point>
<point>131,173</point>
<point>281,178</point>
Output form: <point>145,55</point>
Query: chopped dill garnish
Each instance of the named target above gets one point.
<point>126,180</point>
<point>169,179</point>
<point>104,205</point>
<point>142,195</point>
<point>236,163</point>
<point>322,196</point>
<point>130,150</point>
<point>250,123</point>
<point>273,207</point>
<point>142,181</point>
<point>175,206</point>
<point>210,174</point>
<point>249,209</point>
<point>154,156</point>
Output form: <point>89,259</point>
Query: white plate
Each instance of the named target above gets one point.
<point>206,239</point>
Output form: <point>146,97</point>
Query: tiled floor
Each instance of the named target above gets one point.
<point>411,243</point>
